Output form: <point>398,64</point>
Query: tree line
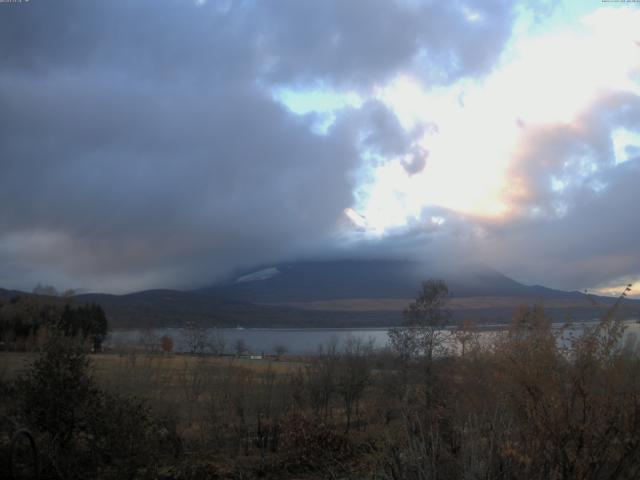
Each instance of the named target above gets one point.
<point>27,320</point>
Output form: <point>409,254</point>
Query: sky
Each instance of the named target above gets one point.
<point>166,143</point>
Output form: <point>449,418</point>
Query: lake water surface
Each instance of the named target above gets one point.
<point>296,341</point>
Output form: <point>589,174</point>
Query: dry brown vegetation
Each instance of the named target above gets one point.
<point>398,304</point>
<point>526,405</point>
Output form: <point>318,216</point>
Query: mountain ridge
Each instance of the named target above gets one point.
<point>386,278</point>
<point>340,293</point>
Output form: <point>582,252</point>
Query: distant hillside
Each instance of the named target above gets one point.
<point>367,286</point>
<point>154,308</point>
<point>344,279</point>
<point>346,293</point>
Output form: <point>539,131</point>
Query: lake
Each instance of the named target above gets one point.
<point>296,341</point>
<point>257,340</point>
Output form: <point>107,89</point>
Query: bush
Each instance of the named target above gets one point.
<point>309,444</point>
<point>88,433</point>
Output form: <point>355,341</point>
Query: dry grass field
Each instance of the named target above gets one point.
<point>14,363</point>
<point>400,304</point>
<point>522,405</point>
<point>179,382</point>
<point>109,365</point>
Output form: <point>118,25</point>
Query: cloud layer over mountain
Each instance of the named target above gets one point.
<point>142,143</point>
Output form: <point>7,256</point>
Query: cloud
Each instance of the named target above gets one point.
<point>593,242</point>
<point>143,174</point>
<point>554,163</point>
<point>560,125</point>
<point>141,144</point>
<point>572,221</point>
<point>138,150</point>
<point>364,42</point>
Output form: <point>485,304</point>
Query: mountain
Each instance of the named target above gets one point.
<point>364,287</point>
<point>342,293</point>
<point>374,279</point>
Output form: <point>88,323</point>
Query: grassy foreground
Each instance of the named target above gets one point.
<point>522,406</point>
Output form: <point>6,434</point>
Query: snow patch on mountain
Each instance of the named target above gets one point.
<point>263,274</point>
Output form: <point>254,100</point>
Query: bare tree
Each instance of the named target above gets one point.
<point>422,332</point>
<point>195,338</point>
<point>217,342</point>
<point>354,374</point>
<point>321,377</point>
<point>241,347</point>
<point>280,350</point>
<point>467,337</point>
<point>192,377</point>
<point>149,340</point>
<point>421,338</point>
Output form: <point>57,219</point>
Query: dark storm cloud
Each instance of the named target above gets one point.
<point>140,144</point>
<point>417,160</point>
<point>163,40</point>
<point>377,130</point>
<point>362,41</point>
<point>165,174</point>
<point>135,142</point>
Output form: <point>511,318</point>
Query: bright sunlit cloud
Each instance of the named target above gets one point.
<point>474,127</point>
<point>626,144</point>
<point>615,287</point>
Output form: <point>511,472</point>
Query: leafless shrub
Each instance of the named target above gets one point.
<point>320,378</point>
<point>195,338</point>
<point>192,378</point>
<point>354,374</point>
